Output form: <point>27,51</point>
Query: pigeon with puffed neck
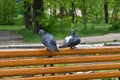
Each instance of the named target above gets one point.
<point>71,41</point>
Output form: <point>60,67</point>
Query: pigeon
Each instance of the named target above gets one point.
<point>71,41</point>
<point>48,41</point>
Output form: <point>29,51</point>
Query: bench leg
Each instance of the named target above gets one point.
<point>51,65</point>
<point>119,77</point>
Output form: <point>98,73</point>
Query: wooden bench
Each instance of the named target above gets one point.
<point>28,64</point>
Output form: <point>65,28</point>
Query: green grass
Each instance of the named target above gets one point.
<point>60,32</point>
<point>100,29</point>
<point>28,35</point>
<point>11,27</point>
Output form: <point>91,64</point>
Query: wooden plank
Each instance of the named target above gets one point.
<point>76,76</point>
<point>49,70</point>
<point>62,60</point>
<point>64,51</point>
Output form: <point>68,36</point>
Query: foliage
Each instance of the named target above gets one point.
<point>115,16</point>
<point>52,18</point>
<point>115,25</point>
<point>48,23</point>
<point>7,11</point>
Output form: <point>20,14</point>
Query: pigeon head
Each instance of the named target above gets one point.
<point>41,32</point>
<point>73,33</point>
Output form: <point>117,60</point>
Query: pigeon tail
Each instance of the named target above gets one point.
<point>54,50</point>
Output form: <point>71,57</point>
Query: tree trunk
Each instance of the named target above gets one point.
<point>37,14</point>
<point>73,12</point>
<point>106,10</point>
<point>62,13</point>
<point>84,14</point>
<point>27,15</point>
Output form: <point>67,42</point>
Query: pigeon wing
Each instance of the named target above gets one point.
<point>49,41</point>
<point>73,42</point>
<point>66,42</point>
<point>53,45</point>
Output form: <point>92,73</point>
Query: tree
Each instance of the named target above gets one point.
<point>106,10</point>
<point>37,15</point>
<point>84,13</point>
<point>73,10</point>
<point>27,14</point>
<point>8,11</point>
<point>115,21</point>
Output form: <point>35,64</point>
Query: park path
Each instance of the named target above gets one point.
<point>8,38</point>
<point>103,38</point>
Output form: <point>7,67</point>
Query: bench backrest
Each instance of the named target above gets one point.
<point>41,64</point>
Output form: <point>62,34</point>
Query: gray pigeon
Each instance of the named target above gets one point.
<point>48,40</point>
<point>71,41</point>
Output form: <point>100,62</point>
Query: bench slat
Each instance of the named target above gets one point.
<point>64,51</point>
<point>76,76</point>
<point>49,70</point>
<point>62,60</point>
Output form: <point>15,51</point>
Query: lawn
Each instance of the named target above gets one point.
<point>60,32</point>
<point>11,27</point>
